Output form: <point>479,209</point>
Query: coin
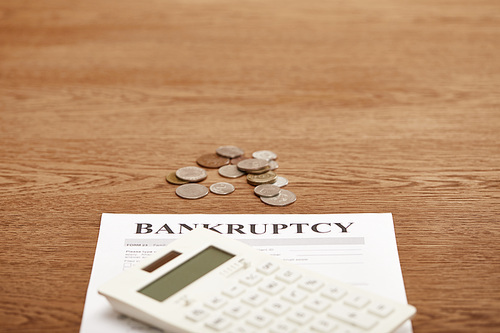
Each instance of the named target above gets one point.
<point>281,181</point>
<point>232,163</point>
<point>191,174</point>
<point>264,178</point>
<point>212,161</point>
<point>257,172</point>
<point>229,151</point>
<point>191,191</point>
<point>265,155</point>
<point>267,190</point>
<point>222,188</point>
<point>236,160</point>
<point>252,164</point>
<point>173,179</point>
<point>230,171</point>
<point>283,199</point>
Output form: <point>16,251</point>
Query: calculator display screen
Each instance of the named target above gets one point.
<point>188,272</point>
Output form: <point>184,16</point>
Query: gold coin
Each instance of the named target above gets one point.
<point>212,161</point>
<point>173,179</point>
<point>264,178</point>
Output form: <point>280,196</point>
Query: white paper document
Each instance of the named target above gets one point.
<point>359,249</point>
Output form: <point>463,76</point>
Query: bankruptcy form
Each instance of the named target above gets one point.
<point>359,249</point>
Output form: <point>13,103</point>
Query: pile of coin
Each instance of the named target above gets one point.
<point>231,163</point>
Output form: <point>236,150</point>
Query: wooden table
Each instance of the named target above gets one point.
<point>372,106</point>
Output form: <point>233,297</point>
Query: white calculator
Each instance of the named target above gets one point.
<point>207,282</point>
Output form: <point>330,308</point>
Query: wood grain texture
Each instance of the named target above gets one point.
<point>372,106</point>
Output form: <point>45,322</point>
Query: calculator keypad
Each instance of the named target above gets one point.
<point>280,300</point>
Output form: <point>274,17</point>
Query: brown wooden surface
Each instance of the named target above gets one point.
<point>372,106</point>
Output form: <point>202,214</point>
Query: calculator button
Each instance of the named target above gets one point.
<point>241,329</point>
<point>251,279</point>
<point>215,302</point>
<point>268,268</point>
<point>288,276</point>
<point>357,301</point>
<point>259,320</point>
<point>254,299</point>
<point>317,304</point>
<point>353,317</point>
<point>348,330</point>
<point>237,310</point>
<point>282,327</point>
<point>218,323</point>
<point>333,292</point>
<point>300,316</point>
<point>295,296</point>
<point>197,314</point>
<point>234,291</point>
<point>277,307</point>
<point>272,287</point>
<point>380,309</point>
<point>310,284</point>
<point>323,325</point>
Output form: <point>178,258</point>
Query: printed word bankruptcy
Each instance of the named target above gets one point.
<point>256,229</point>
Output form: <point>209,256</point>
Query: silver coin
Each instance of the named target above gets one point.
<point>222,188</point>
<point>191,174</point>
<point>229,151</point>
<point>260,171</point>
<point>267,190</point>
<point>265,155</point>
<point>191,191</point>
<point>285,198</point>
<point>273,165</point>
<point>230,171</point>
<point>252,164</point>
<point>281,181</point>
